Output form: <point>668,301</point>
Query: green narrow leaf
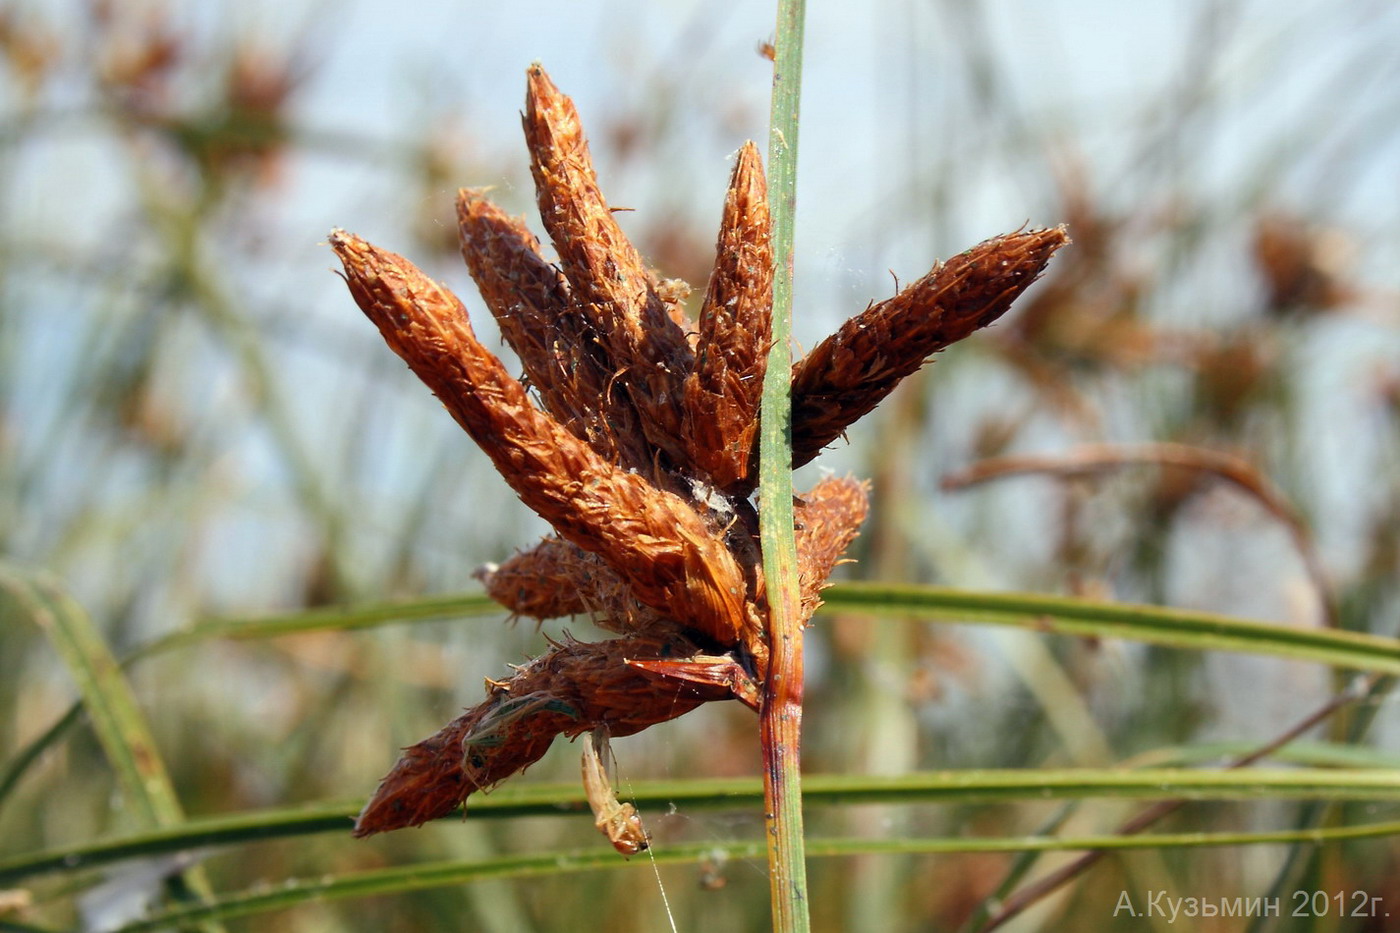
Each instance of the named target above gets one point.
<point>337,618</point>
<point>422,877</point>
<point>120,726</point>
<point>943,787</point>
<point>116,718</point>
<point>334,618</point>
<point>1177,628</point>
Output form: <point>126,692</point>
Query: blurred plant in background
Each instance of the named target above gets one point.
<point>193,427</point>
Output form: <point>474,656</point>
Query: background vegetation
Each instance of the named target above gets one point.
<point>197,428</point>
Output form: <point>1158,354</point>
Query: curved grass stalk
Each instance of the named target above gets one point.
<point>930,787</point>
<point>1177,628</point>
<point>421,877</point>
<point>117,719</point>
<point>346,618</point>
<point>1093,458</point>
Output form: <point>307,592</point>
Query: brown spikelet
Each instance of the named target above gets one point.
<point>573,688</point>
<point>1300,266</point>
<point>827,519</point>
<point>533,304</point>
<point>524,293</point>
<point>557,578</point>
<point>850,372</point>
<point>613,287</point>
<point>731,351</point>
<point>545,582</point>
<point>665,550</point>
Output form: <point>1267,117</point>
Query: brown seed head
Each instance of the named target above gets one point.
<point>850,372</point>
<point>642,460</point>
<point>534,306</point>
<point>731,352</point>
<point>828,518</point>
<point>574,688</point>
<point>612,286</point>
<point>557,578</point>
<point>669,554</point>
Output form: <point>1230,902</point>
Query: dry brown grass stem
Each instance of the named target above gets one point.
<point>1096,458</point>
<point>1047,884</point>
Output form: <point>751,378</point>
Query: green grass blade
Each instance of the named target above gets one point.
<point>13,926</point>
<point>942,787</point>
<point>116,718</point>
<point>1177,628</point>
<point>336,618</point>
<point>411,878</point>
<point>31,753</point>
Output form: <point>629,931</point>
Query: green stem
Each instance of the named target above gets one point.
<point>264,899</point>
<point>781,717</point>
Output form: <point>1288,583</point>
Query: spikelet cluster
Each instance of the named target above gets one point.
<point>636,441</point>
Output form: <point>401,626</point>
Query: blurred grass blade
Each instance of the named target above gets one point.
<point>411,878</point>
<point>116,718</point>
<point>120,726</point>
<point>335,618</point>
<point>1177,628</point>
<point>31,753</point>
<point>942,787</point>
